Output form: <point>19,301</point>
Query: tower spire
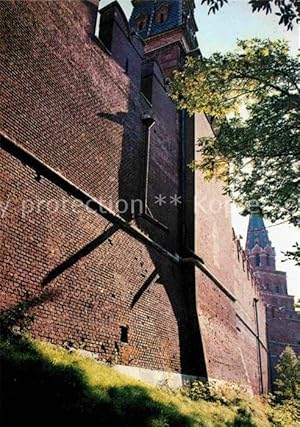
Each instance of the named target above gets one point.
<point>259,248</point>
<point>257,233</point>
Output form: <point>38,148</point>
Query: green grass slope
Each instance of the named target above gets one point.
<point>43,385</point>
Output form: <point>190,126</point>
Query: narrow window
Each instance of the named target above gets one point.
<point>141,22</point>
<point>124,334</point>
<point>268,259</point>
<point>147,86</point>
<point>277,289</point>
<point>162,14</point>
<point>126,66</point>
<point>257,260</point>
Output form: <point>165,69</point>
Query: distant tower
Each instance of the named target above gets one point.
<point>260,252</point>
<point>283,323</point>
<point>168,29</point>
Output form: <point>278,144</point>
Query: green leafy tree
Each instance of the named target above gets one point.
<point>253,94</point>
<point>287,10</point>
<point>295,254</point>
<point>297,305</point>
<point>288,380</point>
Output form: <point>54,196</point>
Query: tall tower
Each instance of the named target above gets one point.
<point>283,322</point>
<point>168,29</point>
<point>260,252</point>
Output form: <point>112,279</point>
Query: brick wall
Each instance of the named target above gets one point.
<point>78,109</point>
<point>229,329</point>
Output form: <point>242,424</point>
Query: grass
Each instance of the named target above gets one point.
<point>43,385</point>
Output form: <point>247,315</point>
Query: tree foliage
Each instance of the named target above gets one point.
<point>253,94</point>
<point>288,377</point>
<point>287,10</point>
<point>295,256</point>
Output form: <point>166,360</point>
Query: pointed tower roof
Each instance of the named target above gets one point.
<point>257,233</point>
<point>178,13</point>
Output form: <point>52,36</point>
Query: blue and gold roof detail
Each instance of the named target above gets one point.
<point>178,13</point>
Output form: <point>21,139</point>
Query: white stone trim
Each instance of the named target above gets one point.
<point>153,377</point>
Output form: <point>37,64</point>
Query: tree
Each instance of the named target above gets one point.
<point>287,10</point>
<point>297,305</point>
<point>253,94</point>
<point>288,380</point>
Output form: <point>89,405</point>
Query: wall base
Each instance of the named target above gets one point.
<point>156,378</point>
<point>153,377</point>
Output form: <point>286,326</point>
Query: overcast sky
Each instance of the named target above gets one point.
<point>219,33</point>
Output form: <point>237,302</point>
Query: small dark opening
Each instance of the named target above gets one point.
<point>126,66</point>
<point>257,260</point>
<point>162,18</point>
<point>141,25</point>
<point>268,259</point>
<point>277,289</point>
<point>146,87</point>
<point>124,334</point>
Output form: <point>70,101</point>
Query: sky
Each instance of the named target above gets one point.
<point>219,32</point>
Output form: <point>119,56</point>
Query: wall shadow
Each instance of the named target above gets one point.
<point>37,390</point>
<point>178,281</point>
<point>20,315</point>
<point>152,278</point>
<point>73,259</point>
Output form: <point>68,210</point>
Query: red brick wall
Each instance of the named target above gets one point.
<point>71,104</point>
<point>228,328</point>
<point>274,284</point>
<point>169,52</point>
<point>93,296</point>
